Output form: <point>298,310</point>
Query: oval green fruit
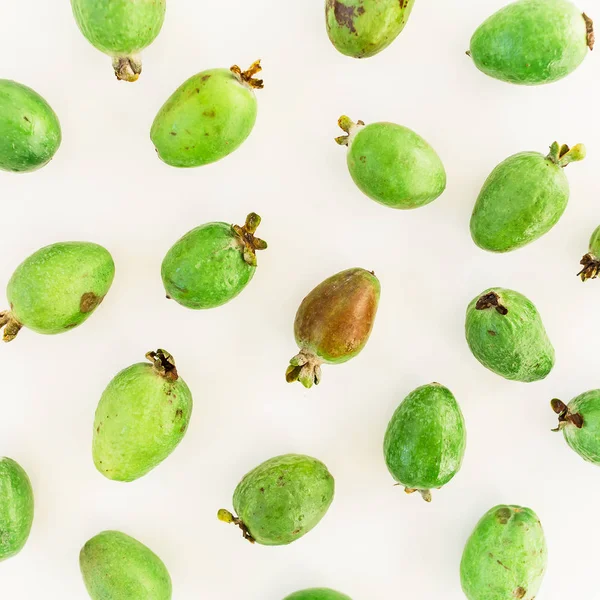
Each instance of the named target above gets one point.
<point>57,288</point>
<point>333,323</point>
<point>16,508</point>
<point>591,260</point>
<point>530,42</point>
<point>212,264</point>
<point>208,117</point>
<point>363,28</point>
<point>115,566</point>
<point>392,164</point>
<point>317,594</point>
<point>121,29</point>
<point>142,416</point>
<point>30,132</point>
<point>281,500</point>
<point>523,198</point>
<point>425,440</point>
<point>506,335</point>
<point>505,557</point>
<point>580,424</point>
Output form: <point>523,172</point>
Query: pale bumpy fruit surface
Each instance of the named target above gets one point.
<point>505,334</point>
<point>208,117</point>
<point>363,28</point>
<point>531,42</point>
<point>16,508</point>
<point>141,418</point>
<point>282,499</point>
<point>57,288</point>
<point>505,557</point>
<point>115,566</point>
<point>30,132</point>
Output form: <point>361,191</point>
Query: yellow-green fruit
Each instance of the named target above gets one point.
<point>208,117</point>
<point>116,566</point>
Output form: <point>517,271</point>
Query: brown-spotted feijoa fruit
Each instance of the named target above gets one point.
<point>333,323</point>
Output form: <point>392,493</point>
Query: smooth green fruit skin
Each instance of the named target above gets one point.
<point>208,117</point>
<point>317,594</point>
<point>363,28</point>
<point>141,418</point>
<point>119,27</point>
<point>514,346</point>
<point>585,441</point>
<point>206,267</point>
<point>115,566</point>
<point>395,166</point>
<point>58,287</point>
<point>505,557</point>
<point>30,132</point>
<point>284,498</point>
<point>425,440</point>
<point>521,200</point>
<point>16,508</point>
<point>531,42</point>
<point>595,242</point>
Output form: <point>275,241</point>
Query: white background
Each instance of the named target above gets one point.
<point>106,185</point>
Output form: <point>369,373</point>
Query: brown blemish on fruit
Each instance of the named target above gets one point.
<point>492,333</point>
<point>89,301</point>
<point>520,593</point>
<point>296,531</point>
<point>206,77</point>
<point>491,300</point>
<point>262,490</point>
<point>173,133</point>
<point>589,28</point>
<point>209,113</point>
<point>502,565</point>
<point>344,15</point>
<point>178,413</point>
<point>27,119</point>
<point>503,515</point>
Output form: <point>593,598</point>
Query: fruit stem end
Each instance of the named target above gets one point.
<point>247,76</point>
<point>589,27</point>
<point>305,367</point>
<point>491,300</point>
<point>591,267</point>
<point>226,517</point>
<point>163,364</point>
<point>565,416</point>
<point>245,234</point>
<point>425,494</point>
<point>563,155</point>
<point>350,127</point>
<point>127,68</point>
<point>10,324</point>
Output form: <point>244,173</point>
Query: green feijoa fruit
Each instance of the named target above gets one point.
<point>506,335</point>
<point>57,288</point>
<point>505,557</point>
<point>333,323</point>
<point>212,264</point>
<point>425,440</point>
<point>30,132</point>
<point>281,500</point>
<point>142,416</point>
<point>591,260</point>
<point>530,42</point>
<point>363,28</point>
<point>121,29</point>
<point>208,117</point>
<point>16,508</point>
<point>116,566</point>
<point>392,164</point>
<point>523,198</point>
<point>580,424</point>
<point>317,594</point>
